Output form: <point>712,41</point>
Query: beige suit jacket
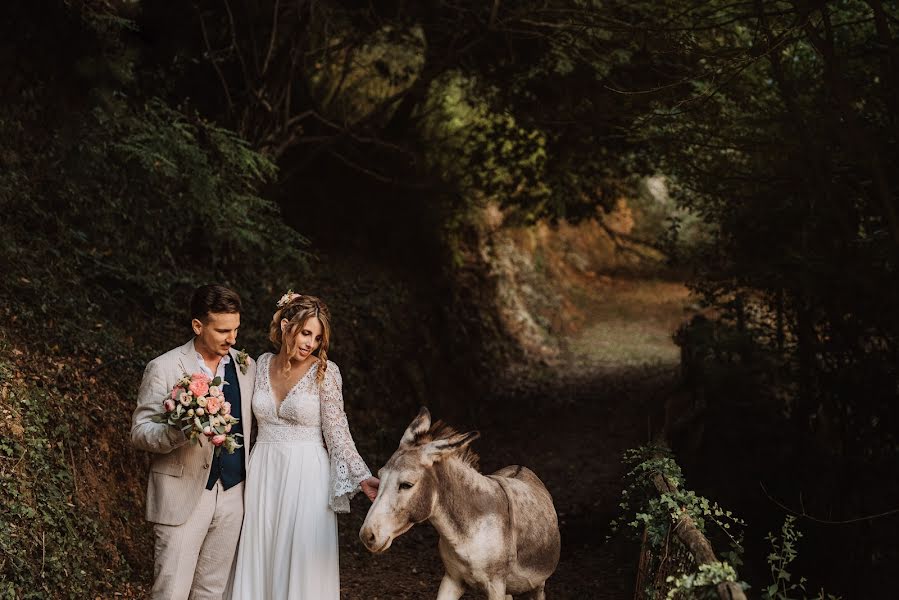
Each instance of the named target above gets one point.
<point>179,470</point>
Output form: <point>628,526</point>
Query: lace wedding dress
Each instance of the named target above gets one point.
<point>303,468</point>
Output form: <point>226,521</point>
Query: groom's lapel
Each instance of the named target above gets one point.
<point>187,351</point>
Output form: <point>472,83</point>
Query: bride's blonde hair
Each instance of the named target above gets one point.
<point>297,309</point>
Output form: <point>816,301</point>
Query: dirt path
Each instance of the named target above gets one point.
<point>570,424</point>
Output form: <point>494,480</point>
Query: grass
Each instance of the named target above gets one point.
<point>629,323</point>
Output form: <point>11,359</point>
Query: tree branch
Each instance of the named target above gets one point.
<point>212,59</point>
<point>272,39</point>
<point>804,515</point>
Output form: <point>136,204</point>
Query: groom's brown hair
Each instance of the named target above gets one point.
<point>213,298</point>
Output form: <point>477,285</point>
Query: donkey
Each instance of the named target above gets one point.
<point>498,533</point>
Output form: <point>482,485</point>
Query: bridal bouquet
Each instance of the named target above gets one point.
<point>197,407</point>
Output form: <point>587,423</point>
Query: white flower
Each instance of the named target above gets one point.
<point>184,399</point>
<point>215,390</point>
<point>201,401</point>
<point>190,412</point>
<point>201,412</point>
<point>243,359</point>
<point>286,298</point>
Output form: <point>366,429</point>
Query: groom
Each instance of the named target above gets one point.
<point>194,498</point>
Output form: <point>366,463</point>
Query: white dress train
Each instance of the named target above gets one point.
<point>303,468</point>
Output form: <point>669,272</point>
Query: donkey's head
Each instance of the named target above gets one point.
<point>409,484</point>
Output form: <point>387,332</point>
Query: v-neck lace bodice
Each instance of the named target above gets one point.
<point>297,419</point>
<point>312,411</point>
<point>299,407</point>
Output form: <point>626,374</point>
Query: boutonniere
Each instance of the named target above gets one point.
<point>243,361</point>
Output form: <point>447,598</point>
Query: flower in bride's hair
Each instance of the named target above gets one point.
<point>286,298</point>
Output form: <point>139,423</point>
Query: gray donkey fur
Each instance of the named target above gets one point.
<point>498,533</point>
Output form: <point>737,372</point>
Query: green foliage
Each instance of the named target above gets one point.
<point>128,206</point>
<point>53,544</point>
<point>114,205</point>
<point>783,552</point>
<point>353,81</point>
<point>525,103</point>
<point>701,584</point>
<point>652,516</point>
<point>480,147</point>
<point>645,509</point>
<point>779,136</point>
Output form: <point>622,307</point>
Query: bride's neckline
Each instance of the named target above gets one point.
<point>271,390</point>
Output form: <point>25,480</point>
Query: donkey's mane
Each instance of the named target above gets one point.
<point>442,431</point>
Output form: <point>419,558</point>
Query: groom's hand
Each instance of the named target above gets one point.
<point>370,487</point>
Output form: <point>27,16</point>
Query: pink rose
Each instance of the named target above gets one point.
<point>175,391</point>
<point>199,384</point>
<point>213,404</point>
<point>168,405</point>
<point>226,408</point>
<point>219,439</point>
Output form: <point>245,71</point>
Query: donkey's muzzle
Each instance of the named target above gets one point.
<point>371,541</point>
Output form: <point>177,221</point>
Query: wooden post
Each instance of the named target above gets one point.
<point>696,542</point>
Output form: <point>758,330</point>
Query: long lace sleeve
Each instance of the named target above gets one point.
<point>347,467</point>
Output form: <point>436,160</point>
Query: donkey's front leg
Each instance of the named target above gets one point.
<point>450,589</point>
<point>537,593</point>
<point>496,590</point>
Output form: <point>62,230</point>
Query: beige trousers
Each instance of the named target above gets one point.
<point>194,559</point>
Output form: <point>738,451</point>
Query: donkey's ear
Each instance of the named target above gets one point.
<point>440,448</point>
<point>417,427</point>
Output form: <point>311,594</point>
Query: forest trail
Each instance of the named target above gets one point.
<point>570,423</point>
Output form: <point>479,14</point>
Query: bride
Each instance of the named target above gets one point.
<point>304,466</point>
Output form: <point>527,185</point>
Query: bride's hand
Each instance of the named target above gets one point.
<point>370,487</point>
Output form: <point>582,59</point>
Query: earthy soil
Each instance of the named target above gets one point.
<point>570,423</point>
